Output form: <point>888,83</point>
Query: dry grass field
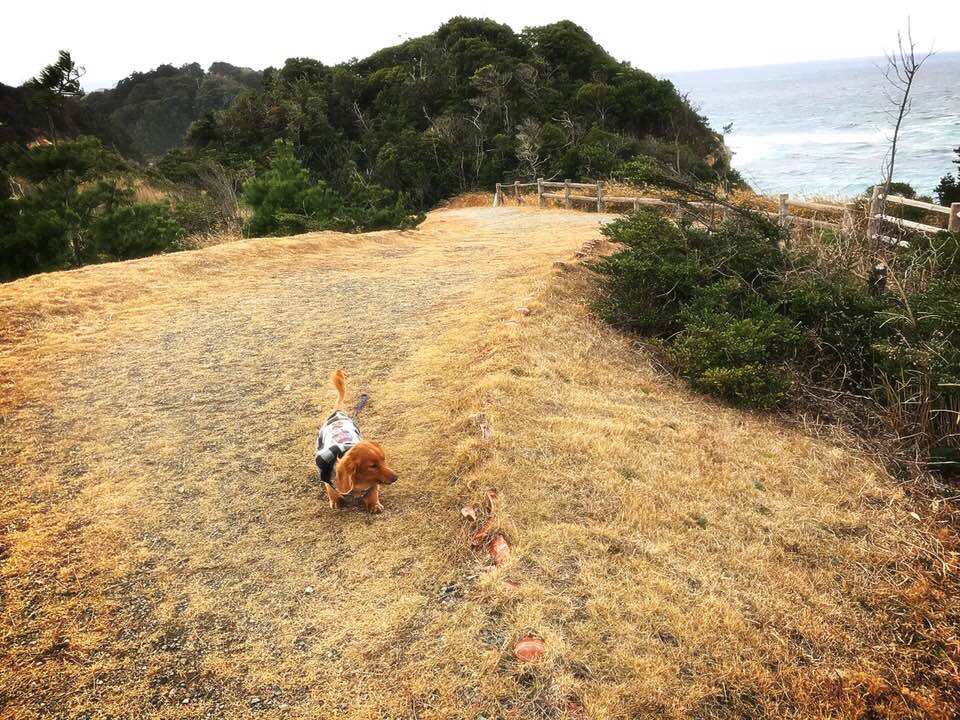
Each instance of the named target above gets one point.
<point>165,551</point>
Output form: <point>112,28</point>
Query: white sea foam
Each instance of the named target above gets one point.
<point>750,148</point>
<point>822,128</point>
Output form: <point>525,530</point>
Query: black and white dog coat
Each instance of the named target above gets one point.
<point>338,434</point>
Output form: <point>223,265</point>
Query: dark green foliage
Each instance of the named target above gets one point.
<point>155,108</point>
<point>844,323</point>
<point>741,317</point>
<point>700,290</point>
<point>664,264</point>
<point>948,191</point>
<point>285,201</point>
<point>70,204</point>
<point>130,229</point>
<point>82,159</point>
<point>60,79</point>
<point>735,345</point>
<point>652,278</point>
<point>470,105</point>
<point>29,112</point>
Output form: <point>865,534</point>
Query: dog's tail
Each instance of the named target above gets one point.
<point>339,381</point>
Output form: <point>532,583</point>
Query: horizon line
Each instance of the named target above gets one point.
<point>934,53</point>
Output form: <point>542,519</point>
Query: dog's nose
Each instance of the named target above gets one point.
<point>394,478</point>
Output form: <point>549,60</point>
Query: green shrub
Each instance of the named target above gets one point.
<point>283,199</point>
<point>843,322</point>
<point>74,206</point>
<point>735,345</point>
<point>743,249</point>
<point>701,289</point>
<point>285,202</point>
<point>663,264</point>
<point>741,316</point>
<point>135,230</point>
<point>651,278</point>
<point>753,385</point>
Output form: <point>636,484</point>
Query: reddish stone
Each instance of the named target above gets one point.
<point>499,549</point>
<point>529,649</point>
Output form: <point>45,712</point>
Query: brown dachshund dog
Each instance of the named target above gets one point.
<point>350,466</point>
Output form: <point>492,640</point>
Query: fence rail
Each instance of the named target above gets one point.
<point>877,215</point>
<point>845,212</point>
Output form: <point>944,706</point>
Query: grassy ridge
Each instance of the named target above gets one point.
<point>679,558</point>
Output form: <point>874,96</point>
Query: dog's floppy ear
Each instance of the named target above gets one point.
<point>346,472</point>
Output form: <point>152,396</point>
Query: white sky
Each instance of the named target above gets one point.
<point>112,39</point>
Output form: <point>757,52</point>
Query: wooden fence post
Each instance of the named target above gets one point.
<point>784,211</point>
<point>516,192</point>
<point>498,197</point>
<point>636,204</point>
<point>873,209</point>
<point>540,192</point>
<point>953,225</point>
<point>599,196</point>
<point>566,195</point>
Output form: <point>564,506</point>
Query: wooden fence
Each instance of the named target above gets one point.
<point>877,216</point>
<point>842,215</point>
<point>597,197</point>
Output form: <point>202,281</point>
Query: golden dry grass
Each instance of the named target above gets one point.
<point>468,199</point>
<point>164,550</point>
<point>144,192</point>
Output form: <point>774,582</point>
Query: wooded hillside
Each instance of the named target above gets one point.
<point>364,145</point>
<point>464,107</point>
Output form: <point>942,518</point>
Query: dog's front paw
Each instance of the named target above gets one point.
<point>375,507</point>
<point>336,503</point>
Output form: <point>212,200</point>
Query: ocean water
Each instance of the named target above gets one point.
<point>823,128</point>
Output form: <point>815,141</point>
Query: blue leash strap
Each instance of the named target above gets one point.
<point>361,403</point>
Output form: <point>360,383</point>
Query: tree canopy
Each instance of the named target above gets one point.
<point>467,106</point>
<point>365,144</point>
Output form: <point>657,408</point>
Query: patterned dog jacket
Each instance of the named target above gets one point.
<point>338,434</point>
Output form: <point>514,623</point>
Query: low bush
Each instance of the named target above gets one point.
<point>743,316</point>
<point>843,324</point>
<point>652,278</point>
<point>133,230</point>
<point>285,201</point>
<point>71,204</point>
<point>700,290</point>
<point>735,345</point>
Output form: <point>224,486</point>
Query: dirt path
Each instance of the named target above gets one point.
<point>165,552</point>
<point>159,503</point>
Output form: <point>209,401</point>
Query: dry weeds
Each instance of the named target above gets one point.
<point>164,550</point>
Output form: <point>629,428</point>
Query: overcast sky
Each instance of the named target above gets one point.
<point>113,39</point>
